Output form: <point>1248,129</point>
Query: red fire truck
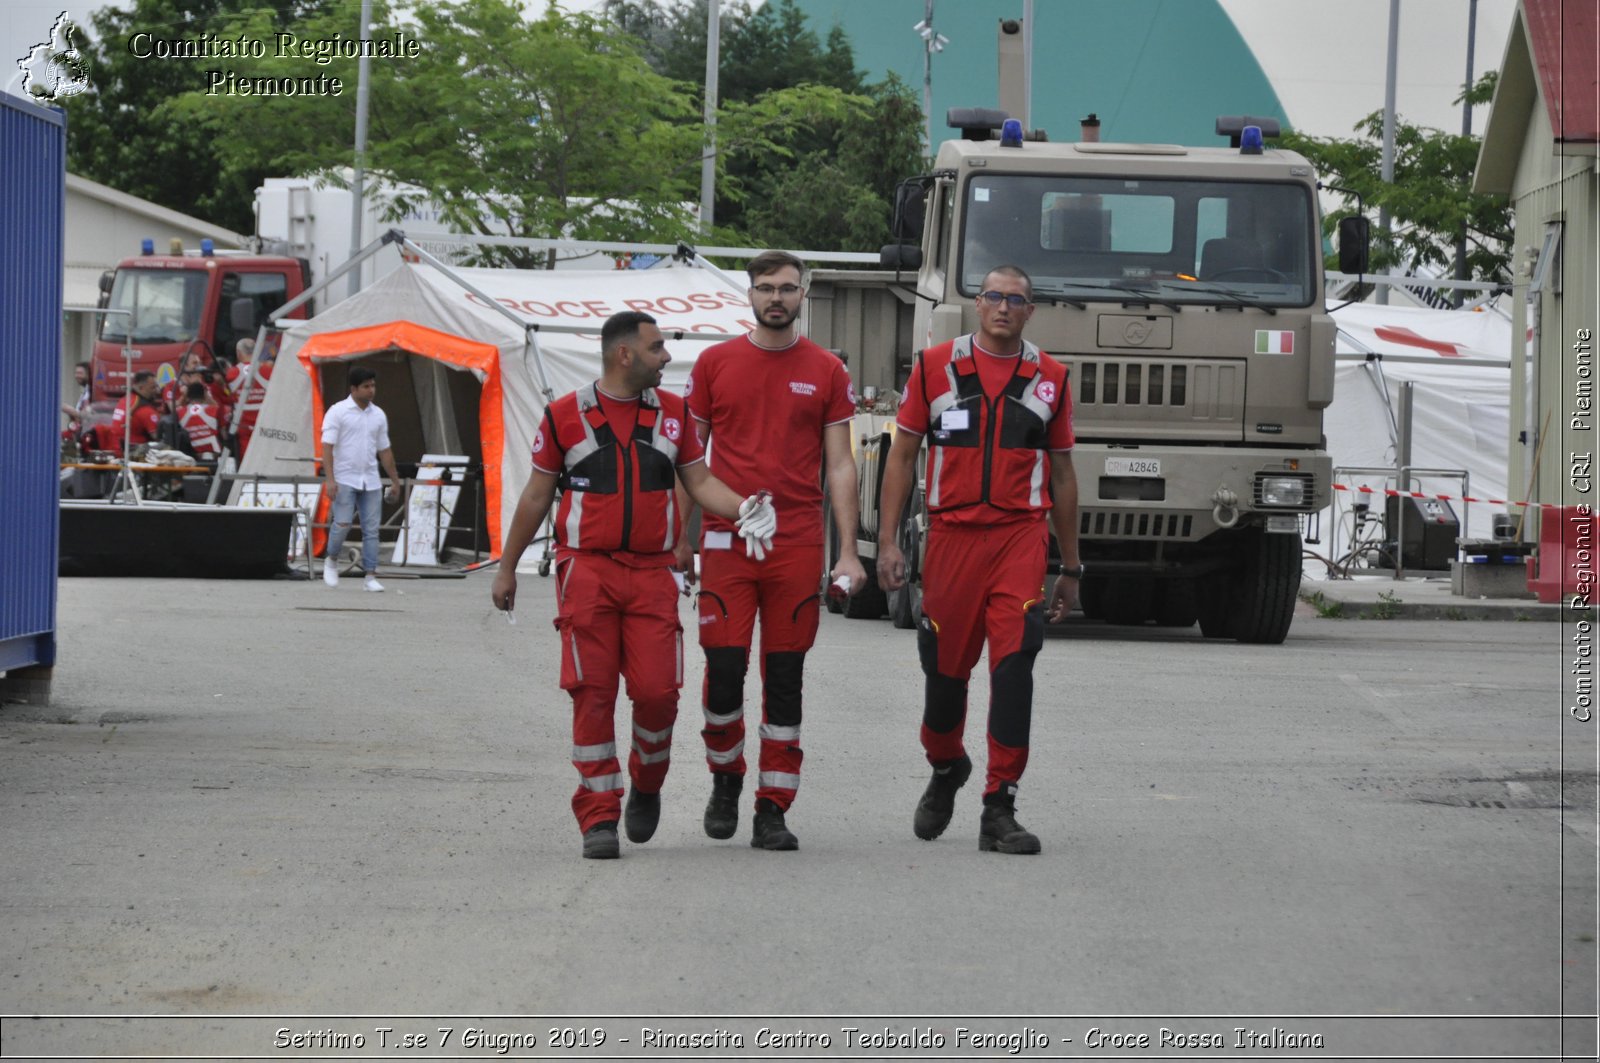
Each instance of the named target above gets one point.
<point>201,301</point>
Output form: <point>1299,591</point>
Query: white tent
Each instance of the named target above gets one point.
<point>428,324</point>
<point>1460,363</point>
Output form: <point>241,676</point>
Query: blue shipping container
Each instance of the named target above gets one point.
<point>32,207</point>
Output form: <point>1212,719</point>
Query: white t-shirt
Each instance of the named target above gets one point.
<point>356,435</point>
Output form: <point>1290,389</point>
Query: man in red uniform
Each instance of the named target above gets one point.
<point>202,419</point>
<point>774,408</point>
<point>613,447</point>
<point>998,420</point>
<point>251,398</point>
<point>140,425</point>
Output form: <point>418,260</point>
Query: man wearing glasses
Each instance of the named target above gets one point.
<point>774,409</point>
<point>998,421</point>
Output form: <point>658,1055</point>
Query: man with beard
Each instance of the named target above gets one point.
<point>613,447</point>
<point>774,408</point>
<point>998,420</point>
<point>137,416</point>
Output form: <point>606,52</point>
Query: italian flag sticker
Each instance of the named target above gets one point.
<point>1271,341</point>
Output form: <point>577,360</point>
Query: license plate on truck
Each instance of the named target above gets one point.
<point>1133,466</point>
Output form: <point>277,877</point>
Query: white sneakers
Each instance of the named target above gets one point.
<point>330,576</point>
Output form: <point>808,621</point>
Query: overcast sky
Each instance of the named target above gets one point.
<point>1326,58</point>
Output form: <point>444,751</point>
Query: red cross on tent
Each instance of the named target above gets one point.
<point>1406,336</point>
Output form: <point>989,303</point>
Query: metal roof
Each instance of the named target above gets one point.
<point>1566,51</point>
<point>1550,53</point>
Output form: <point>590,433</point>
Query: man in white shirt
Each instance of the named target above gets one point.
<point>355,438</point>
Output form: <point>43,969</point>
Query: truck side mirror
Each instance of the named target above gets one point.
<point>105,282</point>
<point>242,315</point>
<point>910,209</point>
<point>1354,238</point>
<point>900,256</point>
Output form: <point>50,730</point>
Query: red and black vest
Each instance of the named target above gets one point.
<point>617,494</point>
<point>983,451</point>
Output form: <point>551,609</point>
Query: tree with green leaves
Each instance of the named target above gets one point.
<point>827,181</point>
<point>118,133</point>
<point>1430,201</point>
<point>548,126</point>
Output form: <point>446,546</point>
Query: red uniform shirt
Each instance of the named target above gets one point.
<point>767,411</point>
<point>989,420</point>
<point>617,459</point>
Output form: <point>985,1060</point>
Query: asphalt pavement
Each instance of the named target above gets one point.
<point>257,807</point>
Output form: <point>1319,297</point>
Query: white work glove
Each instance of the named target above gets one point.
<point>757,524</point>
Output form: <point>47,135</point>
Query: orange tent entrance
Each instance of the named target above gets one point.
<point>404,338</point>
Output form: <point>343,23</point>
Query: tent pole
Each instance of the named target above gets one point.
<point>700,260</point>
<point>530,343</point>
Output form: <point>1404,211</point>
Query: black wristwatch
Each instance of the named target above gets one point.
<point>1073,573</point>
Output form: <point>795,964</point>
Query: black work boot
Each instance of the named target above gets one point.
<point>769,831</point>
<point>641,814</point>
<point>939,799</point>
<point>998,829</point>
<point>722,811</point>
<point>600,841</point>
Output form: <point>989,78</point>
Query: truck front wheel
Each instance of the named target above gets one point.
<point>1268,586</point>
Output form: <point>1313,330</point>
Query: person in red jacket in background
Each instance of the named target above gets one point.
<point>202,419</point>
<point>139,425</point>
<point>997,416</point>
<point>252,398</point>
<point>617,449</point>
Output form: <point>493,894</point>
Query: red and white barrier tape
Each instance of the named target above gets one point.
<point>1389,491</point>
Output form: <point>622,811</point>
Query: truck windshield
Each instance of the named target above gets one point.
<point>1177,241</point>
<point>165,305</point>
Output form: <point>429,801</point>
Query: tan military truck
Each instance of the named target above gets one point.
<point>1183,289</point>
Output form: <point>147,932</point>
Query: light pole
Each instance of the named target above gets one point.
<point>357,212</point>
<point>931,42</point>
<point>1384,225</point>
<point>708,161</point>
<point>1466,131</point>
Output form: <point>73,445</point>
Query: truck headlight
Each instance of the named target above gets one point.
<point>1280,491</point>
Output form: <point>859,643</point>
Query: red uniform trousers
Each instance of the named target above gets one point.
<point>247,428</point>
<point>785,591</point>
<point>982,580</point>
<point>617,619</point>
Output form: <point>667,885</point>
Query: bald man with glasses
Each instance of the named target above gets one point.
<point>997,418</point>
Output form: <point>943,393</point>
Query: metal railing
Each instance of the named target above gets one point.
<point>305,494</point>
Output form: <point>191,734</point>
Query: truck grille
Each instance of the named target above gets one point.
<point>1124,524</point>
<point>1160,398</point>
